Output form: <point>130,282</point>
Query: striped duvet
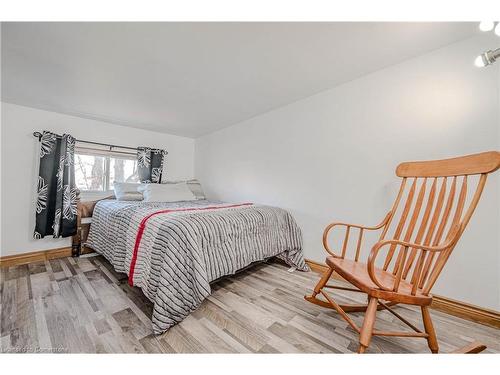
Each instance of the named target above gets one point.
<point>181,251</point>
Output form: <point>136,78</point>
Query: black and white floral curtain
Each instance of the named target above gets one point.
<point>57,193</point>
<point>150,164</point>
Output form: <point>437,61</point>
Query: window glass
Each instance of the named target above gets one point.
<point>99,172</point>
<point>90,172</point>
<point>122,170</point>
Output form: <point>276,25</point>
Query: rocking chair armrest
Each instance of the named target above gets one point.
<point>329,227</point>
<point>453,238</point>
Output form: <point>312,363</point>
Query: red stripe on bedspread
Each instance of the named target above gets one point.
<point>142,226</point>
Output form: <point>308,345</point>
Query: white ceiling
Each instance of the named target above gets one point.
<point>193,78</point>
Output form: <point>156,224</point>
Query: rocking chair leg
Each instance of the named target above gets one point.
<point>365,335</point>
<point>322,282</point>
<point>429,329</point>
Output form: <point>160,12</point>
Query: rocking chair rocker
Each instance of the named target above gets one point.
<point>410,268</point>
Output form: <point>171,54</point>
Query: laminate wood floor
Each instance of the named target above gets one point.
<point>81,305</point>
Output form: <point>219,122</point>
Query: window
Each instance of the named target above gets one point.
<point>97,170</point>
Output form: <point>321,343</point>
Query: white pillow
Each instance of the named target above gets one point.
<point>131,196</point>
<point>167,192</point>
<point>194,185</point>
<point>123,189</point>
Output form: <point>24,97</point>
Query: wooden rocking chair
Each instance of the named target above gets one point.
<point>436,199</point>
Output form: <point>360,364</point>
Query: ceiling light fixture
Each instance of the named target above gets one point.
<point>487,58</point>
<point>486,25</point>
<point>497,29</point>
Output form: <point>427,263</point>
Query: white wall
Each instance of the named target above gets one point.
<point>332,156</point>
<point>19,162</point>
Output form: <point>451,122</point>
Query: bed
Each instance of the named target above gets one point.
<point>173,251</point>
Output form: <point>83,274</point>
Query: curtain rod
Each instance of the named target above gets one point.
<point>39,136</point>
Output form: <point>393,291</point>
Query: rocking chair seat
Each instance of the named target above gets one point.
<point>357,274</point>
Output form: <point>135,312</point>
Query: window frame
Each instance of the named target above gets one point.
<point>107,154</point>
